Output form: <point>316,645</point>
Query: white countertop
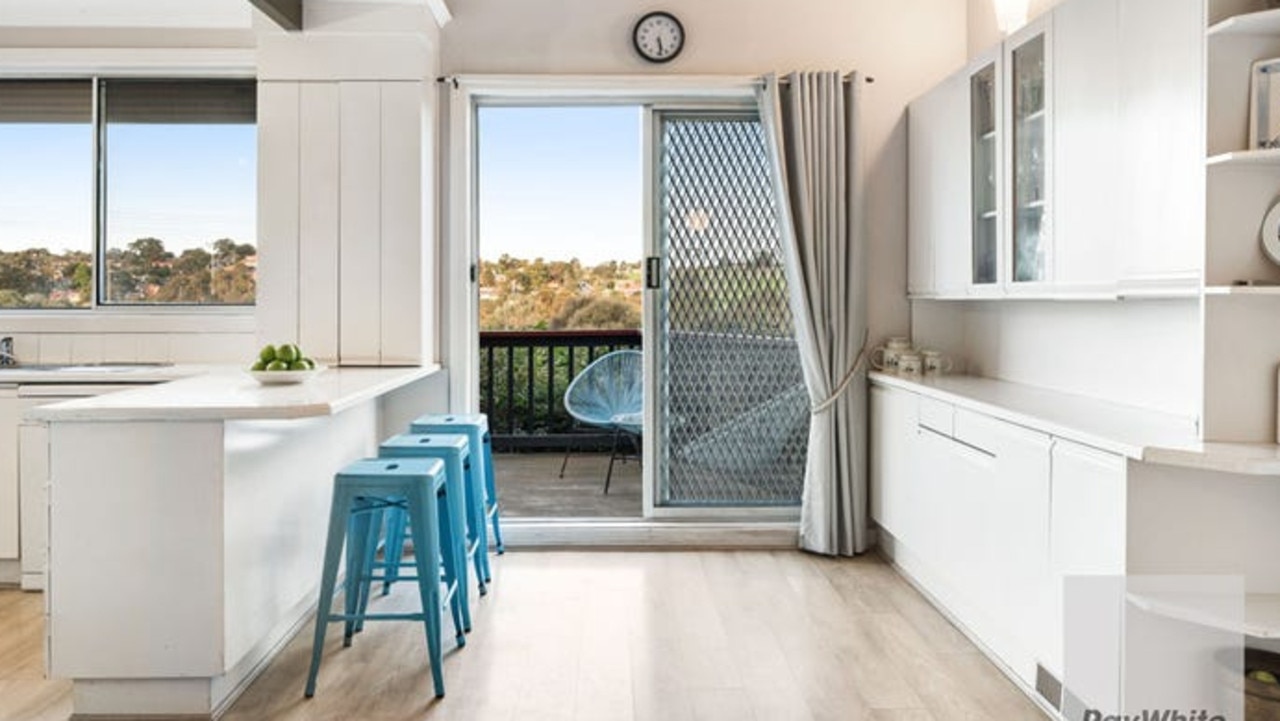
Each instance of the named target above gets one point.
<point>232,394</point>
<point>1137,433</point>
<point>97,374</point>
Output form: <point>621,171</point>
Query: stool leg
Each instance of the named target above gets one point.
<point>338,513</point>
<point>369,563</point>
<point>476,521</point>
<point>455,485</point>
<point>357,543</point>
<point>491,489</point>
<point>449,560</point>
<point>427,557</point>
<point>393,552</point>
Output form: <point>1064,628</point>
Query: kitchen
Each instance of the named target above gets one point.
<point>1133,351</point>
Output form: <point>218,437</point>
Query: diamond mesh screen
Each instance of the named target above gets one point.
<point>733,412</point>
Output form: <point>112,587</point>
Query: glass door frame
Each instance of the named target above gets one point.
<point>457,315</point>
<point>652,125</point>
<point>1041,27</point>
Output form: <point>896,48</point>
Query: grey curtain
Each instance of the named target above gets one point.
<point>810,125</point>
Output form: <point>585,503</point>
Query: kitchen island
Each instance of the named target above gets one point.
<point>187,527</point>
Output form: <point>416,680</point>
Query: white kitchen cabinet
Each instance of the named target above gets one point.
<point>1086,67</point>
<point>1029,116</point>
<point>350,257</point>
<point>33,465</point>
<point>1013,495</point>
<point>1087,522</point>
<point>939,189</point>
<point>1162,133</point>
<point>893,430</point>
<point>965,498</point>
<point>9,418</point>
<point>31,449</point>
<point>986,221</point>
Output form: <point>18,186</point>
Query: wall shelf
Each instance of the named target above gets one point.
<point>1243,290</point>
<point>1261,612</point>
<point>1270,156</point>
<point>1260,23</point>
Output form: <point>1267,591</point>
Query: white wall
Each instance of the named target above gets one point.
<point>981,19</point>
<point>906,45</point>
<point>1138,353</point>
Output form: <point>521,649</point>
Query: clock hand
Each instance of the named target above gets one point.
<point>660,51</point>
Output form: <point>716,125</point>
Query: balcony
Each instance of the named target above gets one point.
<point>523,376</point>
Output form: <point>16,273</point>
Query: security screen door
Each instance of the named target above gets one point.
<point>730,415</point>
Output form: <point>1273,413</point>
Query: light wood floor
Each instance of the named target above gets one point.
<point>669,636</point>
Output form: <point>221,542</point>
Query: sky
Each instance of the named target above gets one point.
<point>555,182</point>
<point>561,183</point>
<point>187,185</point>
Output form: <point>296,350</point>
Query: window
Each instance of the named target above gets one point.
<point>46,194</point>
<point>169,218</point>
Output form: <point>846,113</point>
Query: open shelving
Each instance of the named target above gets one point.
<point>1270,156</point>
<point>1261,612</point>
<point>1266,22</point>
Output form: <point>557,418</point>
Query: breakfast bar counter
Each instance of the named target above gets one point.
<point>187,526</point>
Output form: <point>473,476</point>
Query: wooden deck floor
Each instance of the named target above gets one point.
<point>529,486</point>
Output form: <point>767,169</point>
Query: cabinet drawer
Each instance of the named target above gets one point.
<point>937,415</point>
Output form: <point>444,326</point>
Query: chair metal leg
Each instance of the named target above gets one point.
<point>568,447</point>
<point>613,453</point>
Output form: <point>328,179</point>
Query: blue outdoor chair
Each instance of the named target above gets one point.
<point>609,393</point>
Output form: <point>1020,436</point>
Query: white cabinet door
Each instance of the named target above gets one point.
<point>892,432</point>
<point>10,414</point>
<point>1086,48</point>
<point>1163,139</point>
<point>1087,521</point>
<point>1013,536</point>
<point>1029,157</point>
<point>939,189</point>
<point>33,461</point>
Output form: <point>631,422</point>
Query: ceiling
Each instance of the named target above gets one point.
<point>151,13</point>
<point>127,13</point>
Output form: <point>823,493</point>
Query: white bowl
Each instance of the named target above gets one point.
<point>278,378</point>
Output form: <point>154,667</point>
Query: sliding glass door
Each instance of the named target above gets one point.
<point>729,413</point>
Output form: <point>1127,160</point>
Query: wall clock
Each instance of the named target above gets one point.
<point>658,37</point>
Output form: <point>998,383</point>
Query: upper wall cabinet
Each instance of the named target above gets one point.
<point>1027,57</point>
<point>986,174</point>
<point>1086,47</point>
<point>938,178</point>
<point>1085,157</point>
<point>1162,179</point>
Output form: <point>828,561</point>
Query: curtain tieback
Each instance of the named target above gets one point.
<point>846,381</point>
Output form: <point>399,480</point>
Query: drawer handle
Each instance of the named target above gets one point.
<point>957,441</point>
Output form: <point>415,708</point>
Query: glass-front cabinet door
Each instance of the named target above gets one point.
<point>1029,96</point>
<point>984,93</point>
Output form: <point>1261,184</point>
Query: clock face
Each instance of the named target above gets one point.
<point>658,37</point>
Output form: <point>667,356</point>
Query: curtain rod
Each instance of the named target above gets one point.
<point>452,80</point>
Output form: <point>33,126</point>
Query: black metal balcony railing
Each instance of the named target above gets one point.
<point>523,377</point>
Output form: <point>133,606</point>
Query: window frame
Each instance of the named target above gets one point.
<point>132,317</point>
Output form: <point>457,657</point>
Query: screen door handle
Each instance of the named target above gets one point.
<point>653,272</point>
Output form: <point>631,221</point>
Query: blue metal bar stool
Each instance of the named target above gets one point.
<point>362,492</point>
<point>454,450</point>
<point>476,426</point>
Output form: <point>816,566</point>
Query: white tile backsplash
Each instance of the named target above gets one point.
<point>55,348</point>
<point>120,347</point>
<point>229,347</point>
<point>86,348</point>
